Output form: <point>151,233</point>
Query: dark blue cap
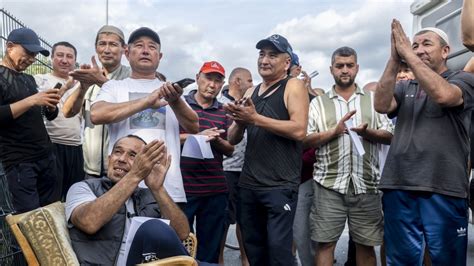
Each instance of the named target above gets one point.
<point>295,60</point>
<point>277,41</point>
<point>28,39</point>
<point>144,31</point>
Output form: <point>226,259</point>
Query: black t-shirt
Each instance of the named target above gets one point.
<point>430,148</point>
<point>25,138</point>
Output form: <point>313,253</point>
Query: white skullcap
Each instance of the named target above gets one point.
<point>440,33</point>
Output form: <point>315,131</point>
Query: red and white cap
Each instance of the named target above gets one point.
<point>212,67</point>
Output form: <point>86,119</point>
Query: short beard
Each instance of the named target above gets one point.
<point>344,85</point>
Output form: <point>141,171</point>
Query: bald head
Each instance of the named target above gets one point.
<point>240,80</point>
<point>238,72</point>
<point>371,86</point>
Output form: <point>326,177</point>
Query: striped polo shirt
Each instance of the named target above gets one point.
<point>337,162</point>
<point>204,177</point>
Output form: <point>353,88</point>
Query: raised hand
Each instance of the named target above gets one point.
<point>341,127</point>
<point>146,159</point>
<point>402,43</point>
<point>89,75</point>
<point>156,178</point>
<point>171,91</point>
<point>393,49</point>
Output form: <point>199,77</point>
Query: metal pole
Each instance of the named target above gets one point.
<point>106,12</point>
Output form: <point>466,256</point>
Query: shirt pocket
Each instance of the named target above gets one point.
<point>433,110</point>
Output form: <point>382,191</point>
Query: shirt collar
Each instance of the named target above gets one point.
<point>226,94</point>
<point>332,93</point>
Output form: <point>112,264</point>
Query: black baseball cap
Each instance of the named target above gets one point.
<point>277,41</point>
<point>28,39</point>
<point>144,31</point>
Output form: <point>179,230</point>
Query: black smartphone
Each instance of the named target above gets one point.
<point>58,85</point>
<point>185,82</point>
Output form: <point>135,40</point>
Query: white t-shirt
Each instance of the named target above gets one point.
<point>61,130</point>
<point>149,124</point>
<point>80,193</point>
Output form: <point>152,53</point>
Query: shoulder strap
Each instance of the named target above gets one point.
<point>279,84</point>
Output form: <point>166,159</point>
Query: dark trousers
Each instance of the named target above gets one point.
<point>70,165</point>
<point>154,240</point>
<point>210,213</point>
<point>266,222</point>
<point>33,184</point>
<point>232,179</point>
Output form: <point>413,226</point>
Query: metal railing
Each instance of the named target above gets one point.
<point>42,64</point>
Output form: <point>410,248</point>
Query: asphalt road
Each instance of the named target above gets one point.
<point>232,257</point>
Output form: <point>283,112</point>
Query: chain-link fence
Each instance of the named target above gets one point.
<point>10,252</point>
<point>9,22</point>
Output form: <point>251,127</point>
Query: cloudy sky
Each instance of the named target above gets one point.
<point>192,31</point>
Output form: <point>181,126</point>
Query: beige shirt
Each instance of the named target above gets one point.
<point>61,130</point>
<point>96,137</point>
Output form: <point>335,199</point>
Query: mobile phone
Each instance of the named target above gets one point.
<point>313,74</point>
<point>58,85</point>
<point>185,82</point>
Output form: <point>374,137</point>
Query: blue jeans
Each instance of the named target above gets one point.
<point>211,216</point>
<point>413,218</point>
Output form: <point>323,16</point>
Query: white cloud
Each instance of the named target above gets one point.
<point>193,32</point>
<point>366,29</point>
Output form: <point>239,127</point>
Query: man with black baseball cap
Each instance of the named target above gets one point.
<point>25,147</point>
<point>144,31</point>
<point>145,106</point>
<point>275,115</point>
<point>28,39</point>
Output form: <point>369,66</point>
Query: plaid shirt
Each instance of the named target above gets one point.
<point>337,162</point>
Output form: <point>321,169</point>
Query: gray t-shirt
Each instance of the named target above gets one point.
<point>81,193</point>
<point>430,148</point>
